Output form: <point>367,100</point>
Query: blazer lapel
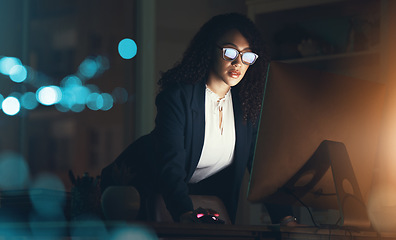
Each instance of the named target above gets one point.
<point>198,125</point>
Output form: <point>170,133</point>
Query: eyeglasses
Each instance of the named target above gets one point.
<point>230,54</point>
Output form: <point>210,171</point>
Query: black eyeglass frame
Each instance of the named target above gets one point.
<point>239,53</point>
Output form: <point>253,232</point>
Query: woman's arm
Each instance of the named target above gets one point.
<point>170,150</point>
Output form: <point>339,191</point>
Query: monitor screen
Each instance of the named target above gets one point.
<point>301,109</point>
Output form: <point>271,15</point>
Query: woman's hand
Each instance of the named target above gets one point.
<point>201,215</point>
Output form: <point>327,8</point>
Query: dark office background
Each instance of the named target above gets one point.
<point>53,39</point>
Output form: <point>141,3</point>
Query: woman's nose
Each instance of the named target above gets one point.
<point>237,60</point>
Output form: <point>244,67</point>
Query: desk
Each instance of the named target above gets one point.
<point>17,203</point>
<point>169,231</point>
<point>205,231</point>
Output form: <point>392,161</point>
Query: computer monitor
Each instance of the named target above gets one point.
<point>302,110</point>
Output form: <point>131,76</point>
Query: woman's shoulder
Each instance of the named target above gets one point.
<point>178,89</point>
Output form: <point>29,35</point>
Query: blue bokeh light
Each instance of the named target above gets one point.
<point>95,101</point>
<point>38,79</point>
<point>18,73</point>
<point>133,232</point>
<point>88,68</point>
<point>48,207</point>
<point>14,171</point>
<point>77,108</point>
<point>107,101</point>
<point>93,88</point>
<point>7,63</point>
<point>68,99</point>
<point>29,101</point>
<point>103,63</point>
<point>49,95</point>
<point>1,100</point>
<point>74,98</point>
<point>37,231</point>
<point>81,94</point>
<point>89,226</point>
<point>71,81</point>
<point>127,48</point>
<point>61,108</point>
<point>17,95</point>
<point>73,94</point>
<point>120,95</point>
<point>10,233</point>
<point>11,106</point>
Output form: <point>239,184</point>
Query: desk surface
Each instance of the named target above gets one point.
<point>92,229</point>
<point>95,229</point>
<point>206,231</point>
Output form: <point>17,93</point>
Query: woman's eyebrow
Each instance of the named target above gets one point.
<point>232,44</point>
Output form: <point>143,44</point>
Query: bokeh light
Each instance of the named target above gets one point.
<point>49,95</point>
<point>7,63</point>
<point>120,95</point>
<point>16,95</point>
<point>103,63</point>
<point>93,88</point>
<point>88,68</point>
<point>14,171</point>
<point>10,233</point>
<point>18,73</point>
<point>39,230</point>
<point>74,94</point>
<point>29,101</point>
<point>77,108</point>
<point>71,81</point>
<point>95,101</point>
<point>127,48</point>
<point>38,79</point>
<point>68,99</point>
<point>61,108</point>
<point>107,102</point>
<point>1,100</point>
<point>90,227</point>
<point>11,106</point>
<point>48,206</point>
<point>133,232</point>
<point>81,93</point>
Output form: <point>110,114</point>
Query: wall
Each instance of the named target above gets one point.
<point>11,44</point>
<point>178,20</point>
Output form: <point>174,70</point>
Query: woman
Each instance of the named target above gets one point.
<point>207,114</point>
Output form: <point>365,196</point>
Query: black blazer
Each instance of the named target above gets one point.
<point>169,155</point>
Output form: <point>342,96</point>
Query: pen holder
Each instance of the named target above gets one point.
<point>85,196</point>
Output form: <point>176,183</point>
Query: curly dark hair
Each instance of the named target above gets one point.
<point>198,59</point>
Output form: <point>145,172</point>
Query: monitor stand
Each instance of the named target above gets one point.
<point>351,206</point>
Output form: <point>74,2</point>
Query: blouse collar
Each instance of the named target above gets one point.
<point>218,102</point>
<point>216,97</point>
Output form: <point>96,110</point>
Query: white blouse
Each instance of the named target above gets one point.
<point>219,142</point>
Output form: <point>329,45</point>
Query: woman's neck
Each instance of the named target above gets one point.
<point>220,88</point>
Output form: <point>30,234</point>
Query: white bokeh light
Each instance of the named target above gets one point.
<point>11,106</point>
<point>49,95</point>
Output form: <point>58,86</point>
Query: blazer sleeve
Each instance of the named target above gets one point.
<point>170,151</point>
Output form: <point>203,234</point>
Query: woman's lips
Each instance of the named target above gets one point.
<point>234,73</point>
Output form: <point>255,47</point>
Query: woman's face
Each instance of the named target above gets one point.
<point>229,73</point>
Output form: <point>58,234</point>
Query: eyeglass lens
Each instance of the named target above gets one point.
<point>230,53</point>
<point>247,57</point>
